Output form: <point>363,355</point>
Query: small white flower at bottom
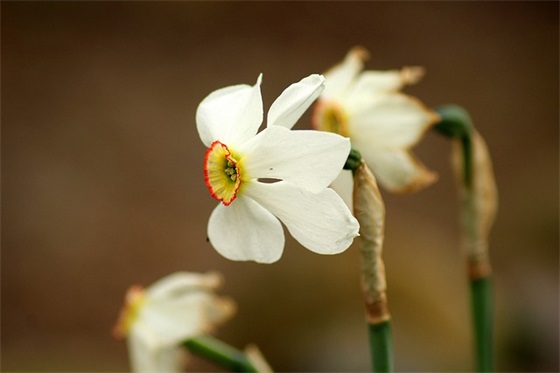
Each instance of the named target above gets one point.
<point>157,319</point>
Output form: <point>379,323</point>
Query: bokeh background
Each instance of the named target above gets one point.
<point>102,183</point>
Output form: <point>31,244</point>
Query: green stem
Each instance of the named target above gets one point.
<point>219,353</point>
<point>381,342</point>
<point>481,295</point>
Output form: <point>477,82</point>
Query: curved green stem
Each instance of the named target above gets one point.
<point>456,123</point>
<point>219,353</point>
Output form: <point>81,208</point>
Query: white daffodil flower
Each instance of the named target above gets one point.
<point>382,123</point>
<point>277,174</point>
<point>157,319</point>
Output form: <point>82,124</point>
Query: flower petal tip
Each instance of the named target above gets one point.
<point>359,52</point>
<point>412,74</point>
<point>213,280</point>
<point>424,179</point>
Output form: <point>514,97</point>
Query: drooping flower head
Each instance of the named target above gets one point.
<point>271,176</point>
<point>382,123</point>
<point>157,319</point>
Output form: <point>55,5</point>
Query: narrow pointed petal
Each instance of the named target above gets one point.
<point>245,231</point>
<point>308,159</point>
<point>390,121</point>
<point>230,115</point>
<point>398,170</point>
<point>320,222</point>
<point>294,101</point>
<point>340,77</point>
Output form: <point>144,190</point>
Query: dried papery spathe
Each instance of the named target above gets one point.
<point>479,199</point>
<point>369,209</point>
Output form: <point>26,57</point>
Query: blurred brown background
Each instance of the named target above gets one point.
<point>103,188</point>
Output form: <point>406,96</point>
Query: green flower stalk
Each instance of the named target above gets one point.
<point>370,212</point>
<point>478,203</point>
<point>227,356</point>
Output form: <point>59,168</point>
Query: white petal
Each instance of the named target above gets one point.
<point>390,121</point>
<point>231,114</point>
<point>244,230</point>
<point>294,101</point>
<point>309,159</point>
<point>145,358</point>
<point>371,82</point>
<point>340,77</point>
<point>172,321</point>
<point>397,170</point>
<point>344,186</point>
<point>179,283</point>
<point>320,222</point>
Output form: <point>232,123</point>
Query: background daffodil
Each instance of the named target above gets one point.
<point>382,123</point>
<point>157,319</point>
<point>272,176</point>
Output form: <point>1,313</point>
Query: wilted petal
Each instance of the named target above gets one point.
<point>397,170</point>
<point>244,230</point>
<point>320,222</point>
<point>294,101</point>
<point>340,77</point>
<point>231,114</point>
<point>390,121</point>
<point>309,159</point>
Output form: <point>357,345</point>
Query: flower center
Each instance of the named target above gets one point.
<point>330,117</point>
<point>134,299</point>
<point>221,173</point>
